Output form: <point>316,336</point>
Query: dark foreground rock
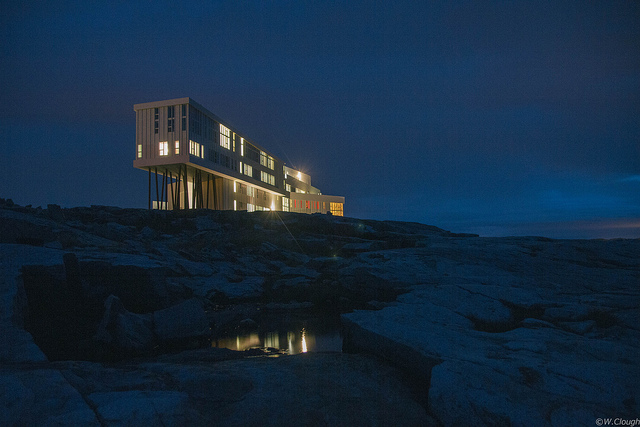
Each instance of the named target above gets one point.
<point>103,313</point>
<point>516,331</point>
<point>311,389</point>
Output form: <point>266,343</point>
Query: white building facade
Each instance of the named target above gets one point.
<point>194,160</point>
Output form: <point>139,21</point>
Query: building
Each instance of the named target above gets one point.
<point>195,160</point>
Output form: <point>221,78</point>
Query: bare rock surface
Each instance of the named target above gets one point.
<point>99,308</point>
<point>515,330</point>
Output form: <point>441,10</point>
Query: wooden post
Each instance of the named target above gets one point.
<point>193,191</point>
<point>186,188</point>
<point>208,188</point>
<point>162,192</point>
<point>178,182</point>
<point>157,196</point>
<point>173,197</point>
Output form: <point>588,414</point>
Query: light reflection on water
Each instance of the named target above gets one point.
<point>293,341</point>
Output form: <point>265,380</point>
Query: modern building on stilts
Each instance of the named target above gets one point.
<point>195,160</point>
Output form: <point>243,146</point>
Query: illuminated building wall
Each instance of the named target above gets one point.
<point>195,160</point>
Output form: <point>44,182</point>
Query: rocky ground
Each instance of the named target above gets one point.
<point>106,317</point>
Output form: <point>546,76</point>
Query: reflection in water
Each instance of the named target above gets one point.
<point>287,339</point>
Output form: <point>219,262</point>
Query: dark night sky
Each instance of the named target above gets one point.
<point>500,118</point>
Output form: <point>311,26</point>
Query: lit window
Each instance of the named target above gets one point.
<point>164,148</point>
<point>287,187</point>
<point>266,160</point>
<point>194,149</point>
<point>242,146</point>
<point>225,137</point>
<point>285,204</point>
<point>235,205</point>
<point>250,207</point>
<point>299,176</point>
<point>139,151</point>
<point>177,147</point>
<point>268,178</point>
<point>336,209</point>
<point>235,186</point>
<point>248,170</point>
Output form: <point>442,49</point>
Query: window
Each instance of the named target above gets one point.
<point>268,178</point>
<point>177,147</point>
<point>336,209</point>
<point>195,121</point>
<point>184,117</point>
<point>171,117</point>
<point>248,170</point>
<point>285,204</point>
<point>242,146</point>
<point>252,152</point>
<point>139,151</point>
<point>251,191</point>
<point>266,160</point>
<point>235,205</point>
<point>250,207</point>
<point>155,120</point>
<point>307,204</point>
<point>195,149</point>
<point>287,187</point>
<point>164,148</point>
<point>225,137</point>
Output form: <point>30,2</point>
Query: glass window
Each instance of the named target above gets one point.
<point>171,114</point>
<point>336,209</point>
<point>164,148</point>
<point>195,149</point>
<point>225,137</point>
<point>139,151</point>
<point>177,147</point>
<point>155,120</point>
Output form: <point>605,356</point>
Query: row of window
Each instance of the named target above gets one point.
<point>268,178</point>
<point>195,149</point>
<point>266,160</point>
<point>287,204</point>
<point>225,137</point>
<point>171,118</point>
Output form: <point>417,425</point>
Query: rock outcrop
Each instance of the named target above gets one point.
<point>465,330</point>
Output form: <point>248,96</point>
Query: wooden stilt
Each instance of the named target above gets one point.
<point>173,197</point>
<point>186,188</point>
<point>157,195</point>
<point>208,188</point>
<point>163,194</point>
<point>193,191</point>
